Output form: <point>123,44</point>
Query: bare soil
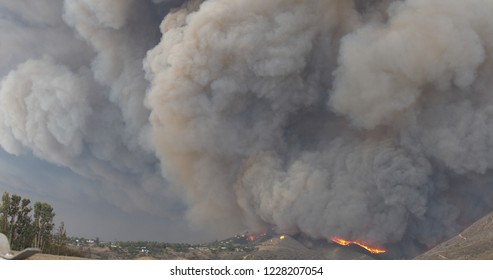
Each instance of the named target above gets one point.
<point>474,243</point>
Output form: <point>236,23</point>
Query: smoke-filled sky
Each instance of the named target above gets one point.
<point>189,120</point>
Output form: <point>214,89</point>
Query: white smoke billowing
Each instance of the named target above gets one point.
<point>82,107</point>
<point>423,44</point>
<point>44,108</point>
<point>365,119</point>
<point>329,117</point>
<point>35,29</point>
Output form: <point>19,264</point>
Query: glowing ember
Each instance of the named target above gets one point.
<point>344,242</point>
<point>251,237</point>
<point>282,237</point>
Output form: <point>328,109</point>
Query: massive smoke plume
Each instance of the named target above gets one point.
<point>75,94</point>
<point>370,120</point>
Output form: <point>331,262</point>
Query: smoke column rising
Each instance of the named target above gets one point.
<point>355,119</point>
<point>369,120</point>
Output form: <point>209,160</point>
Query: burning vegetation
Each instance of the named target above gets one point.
<point>344,242</point>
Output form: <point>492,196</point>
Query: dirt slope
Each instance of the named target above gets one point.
<point>474,243</point>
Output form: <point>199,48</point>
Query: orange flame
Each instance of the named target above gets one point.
<point>344,242</point>
<point>282,237</point>
<point>251,237</point>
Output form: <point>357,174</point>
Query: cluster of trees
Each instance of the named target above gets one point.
<point>25,229</point>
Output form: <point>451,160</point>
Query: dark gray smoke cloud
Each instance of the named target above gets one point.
<point>356,119</point>
<point>369,120</point>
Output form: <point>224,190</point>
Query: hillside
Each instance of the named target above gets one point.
<point>53,257</point>
<point>474,243</point>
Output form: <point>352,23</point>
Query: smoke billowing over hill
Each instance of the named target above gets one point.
<point>370,120</point>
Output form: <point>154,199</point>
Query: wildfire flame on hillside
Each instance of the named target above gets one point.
<point>251,237</point>
<point>344,242</point>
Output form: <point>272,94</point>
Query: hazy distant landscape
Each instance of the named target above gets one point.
<point>240,247</point>
<point>24,230</point>
<point>474,243</point>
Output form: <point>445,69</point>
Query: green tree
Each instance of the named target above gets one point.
<point>59,239</point>
<point>17,223</point>
<point>15,220</point>
<point>24,229</point>
<point>4,214</point>
<point>14,208</point>
<point>43,225</point>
